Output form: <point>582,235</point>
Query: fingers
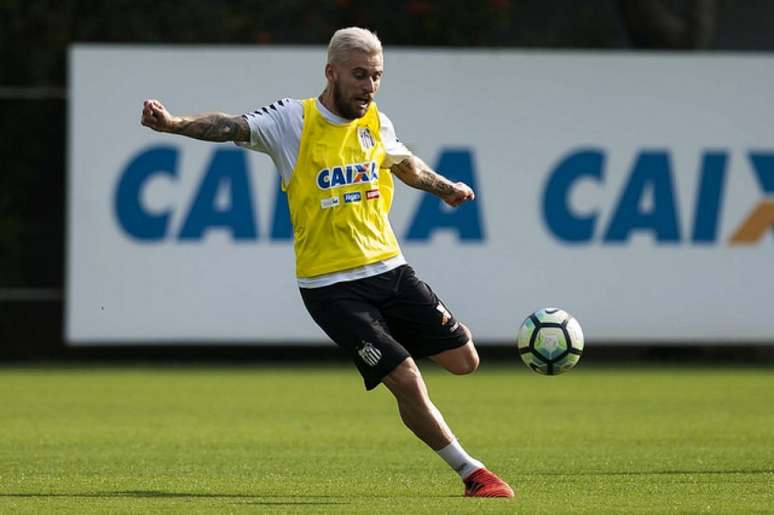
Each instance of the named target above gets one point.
<point>147,114</point>
<point>153,107</point>
<point>456,201</point>
<point>147,108</point>
<point>152,113</point>
<point>148,119</point>
<point>463,194</point>
<point>153,104</point>
<point>467,191</point>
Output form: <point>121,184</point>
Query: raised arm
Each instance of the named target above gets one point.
<point>415,172</point>
<point>207,126</point>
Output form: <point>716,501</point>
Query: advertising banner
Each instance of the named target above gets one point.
<point>635,191</point>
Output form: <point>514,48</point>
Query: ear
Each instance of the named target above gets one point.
<point>330,72</point>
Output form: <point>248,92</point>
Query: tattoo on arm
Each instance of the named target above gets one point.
<point>433,183</point>
<point>417,174</point>
<point>214,127</point>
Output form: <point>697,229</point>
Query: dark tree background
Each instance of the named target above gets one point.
<point>35,34</point>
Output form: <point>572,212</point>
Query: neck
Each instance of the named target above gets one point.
<point>326,98</point>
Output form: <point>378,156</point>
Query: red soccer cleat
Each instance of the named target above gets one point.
<point>483,483</point>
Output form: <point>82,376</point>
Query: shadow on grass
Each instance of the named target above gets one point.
<point>656,472</point>
<point>155,494</point>
<point>290,503</point>
<point>246,499</point>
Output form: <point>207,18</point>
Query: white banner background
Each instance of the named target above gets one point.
<point>519,114</point>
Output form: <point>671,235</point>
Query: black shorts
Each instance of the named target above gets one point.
<point>382,320</point>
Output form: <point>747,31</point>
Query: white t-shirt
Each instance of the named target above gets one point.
<point>276,130</point>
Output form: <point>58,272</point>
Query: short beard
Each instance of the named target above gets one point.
<point>342,106</point>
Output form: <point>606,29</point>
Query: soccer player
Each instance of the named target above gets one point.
<point>337,154</point>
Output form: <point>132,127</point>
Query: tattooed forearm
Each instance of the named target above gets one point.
<point>213,127</point>
<point>414,172</point>
<point>433,183</point>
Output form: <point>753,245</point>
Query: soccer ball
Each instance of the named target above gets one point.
<point>550,341</point>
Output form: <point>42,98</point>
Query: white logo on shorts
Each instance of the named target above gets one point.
<point>370,354</point>
<point>445,315</point>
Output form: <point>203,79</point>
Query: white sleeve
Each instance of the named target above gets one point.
<point>396,151</point>
<point>275,129</point>
<point>270,125</point>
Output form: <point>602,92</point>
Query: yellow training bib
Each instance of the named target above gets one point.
<point>339,195</point>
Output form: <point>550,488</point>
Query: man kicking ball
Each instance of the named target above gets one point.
<point>337,154</point>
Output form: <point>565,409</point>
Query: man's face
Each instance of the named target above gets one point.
<point>355,83</point>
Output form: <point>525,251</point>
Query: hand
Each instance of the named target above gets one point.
<point>462,193</point>
<point>156,116</point>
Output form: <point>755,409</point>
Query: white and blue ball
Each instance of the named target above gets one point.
<point>550,341</point>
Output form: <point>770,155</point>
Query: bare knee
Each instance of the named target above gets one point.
<point>469,360</point>
<point>466,363</point>
<point>460,361</point>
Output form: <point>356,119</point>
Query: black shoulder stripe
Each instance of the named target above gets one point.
<point>265,109</point>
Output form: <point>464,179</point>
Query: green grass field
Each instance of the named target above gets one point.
<point>292,439</point>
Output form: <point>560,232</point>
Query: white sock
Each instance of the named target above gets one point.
<point>462,462</point>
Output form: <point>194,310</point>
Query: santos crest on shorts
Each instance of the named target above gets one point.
<point>339,195</point>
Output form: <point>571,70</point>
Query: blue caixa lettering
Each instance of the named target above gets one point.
<point>227,169</point>
<point>652,173</point>
<point>227,176</point>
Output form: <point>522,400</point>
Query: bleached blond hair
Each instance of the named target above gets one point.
<point>345,41</point>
